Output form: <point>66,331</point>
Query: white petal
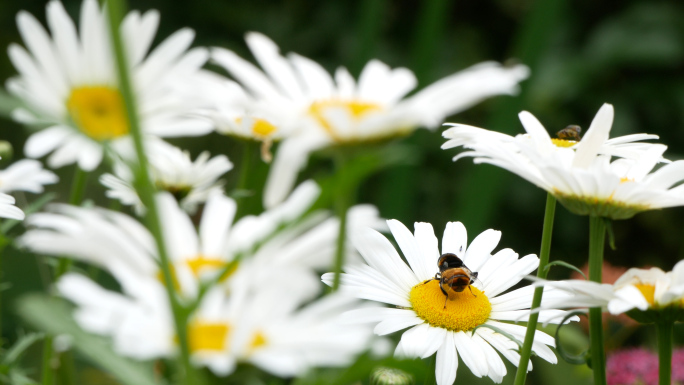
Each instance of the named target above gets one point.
<point>596,136</point>
<point>455,239</point>
<point>446,362</point>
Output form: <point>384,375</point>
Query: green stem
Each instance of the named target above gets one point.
<point>664,332</point>
<point>369,28</point>
<point>78,185</point>
<point>146,189</point>
<point>3,242</point>
<point>343,200</point>
<point>597,239</point>
<point>547,233</point>
<point>243,186</point>
<point>48,375</point>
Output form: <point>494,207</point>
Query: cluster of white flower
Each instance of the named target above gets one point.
<point>252,283</point>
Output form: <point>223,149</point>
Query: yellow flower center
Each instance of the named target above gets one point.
<point>648,291</point>
<point>98,111</point>
<point>563,142</point>
<point>203,336</point>
<point>356,108</point>
<point>258,341</point>
<point>261,128</point>
<point>197,265</point>
<point>464,311</point>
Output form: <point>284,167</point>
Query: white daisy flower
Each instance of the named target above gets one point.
<point>104,238</point>
<point>275,333</point>
<point>581,175</point>
<point>268,328</point>
<point>640,293</point>
<point>139,319</point>
<point>302,96</point>
<point>172,170</point>
<point>26,175</point>
<point>8,209</point>
<point>465,323</point>
<point>68,82</point>
<point>235,113</point>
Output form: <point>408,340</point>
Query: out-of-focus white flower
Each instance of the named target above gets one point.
<point>252,315</point>
<point>172,170</point>
<point>638,290</point>
<point>315,111</point>
<point>8,209</point>
<point>68,83</point>
<point>453,323</point>
<point>268,328</point>
<point>581,175</point>
<point>26,175</point>
<point>283,238</point>
<point>276,334</point>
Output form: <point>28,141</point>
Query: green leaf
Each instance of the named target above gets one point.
<point>53,316</point>
<point>12,356</point>
<point>580,359</point>
<point>611,234</point>
<point>564,264</point>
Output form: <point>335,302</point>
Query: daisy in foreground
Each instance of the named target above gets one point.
<point>316,110</point>
<point>581,173</point>
<point>444,320</point>
<point>67,81</point>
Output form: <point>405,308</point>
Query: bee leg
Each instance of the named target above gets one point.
<point>437,278</point>
<point>446,296</point>
<point>471,291</point>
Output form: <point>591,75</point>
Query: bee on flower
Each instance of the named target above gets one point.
<point>448,322</point>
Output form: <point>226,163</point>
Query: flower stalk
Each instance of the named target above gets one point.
<point>597,238</point>
<point>146,189</point>
<point>547,232</point>
<point>664,334</point>
<point>344,191</point>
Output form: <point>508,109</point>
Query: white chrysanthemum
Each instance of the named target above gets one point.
<point>68,82</point>
<point>465,324</point>
<point>636,289</point>
<point>8,209</point>
<point>300,95</point>
<point>26,175</point>
<point>581,175</point>
<point>172,170</point>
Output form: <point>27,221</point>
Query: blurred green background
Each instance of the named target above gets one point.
<point>582,53</point>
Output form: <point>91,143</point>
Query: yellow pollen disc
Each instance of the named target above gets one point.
<point>258,341</point>
<point>98,112</point>
<point>464,311</point>
<point>204,336</point>
<point>201,263</point>
<point>357,109</point>
<point>261,128</point>
<point>563,142</point>
<point>648,292</point>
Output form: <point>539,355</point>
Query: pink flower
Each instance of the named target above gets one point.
<point>635,366</point>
